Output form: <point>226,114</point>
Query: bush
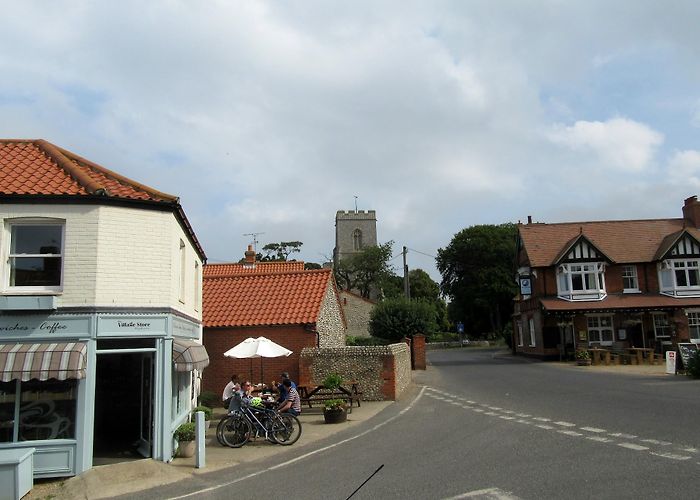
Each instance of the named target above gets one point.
<point>334,404</point>
<point>693,368</point>
<point>332,381</point>
<point>186,432</point>
<point>350,340</point>
<point>210,399</point>
<point>444,337</point>
<point>207,411</point>
<point>394,319</point>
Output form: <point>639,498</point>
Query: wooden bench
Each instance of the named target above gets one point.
<point>320,395</point>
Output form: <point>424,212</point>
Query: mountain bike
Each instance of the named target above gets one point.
<point>236,429</point>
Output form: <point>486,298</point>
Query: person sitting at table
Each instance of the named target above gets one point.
<point>230,388</point>
<point>281,389</point>
<point>292,402</point>
<point>245,393</point>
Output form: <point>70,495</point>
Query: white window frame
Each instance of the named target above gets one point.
<point>694,325</point>
<point>568,273</point>
<point>531,325</point>
<point>597,330</point>
<point>630,273</point>
<point>662,323</point>
<point>668,282</point>
<point>32,290</point>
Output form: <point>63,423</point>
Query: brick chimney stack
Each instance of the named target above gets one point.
<point>249,257</point>
<point>691,211</point>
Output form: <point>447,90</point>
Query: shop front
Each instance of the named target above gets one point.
<point>88,388</point>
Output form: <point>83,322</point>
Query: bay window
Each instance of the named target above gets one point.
<point>581,281</point>
<point>680,277</point>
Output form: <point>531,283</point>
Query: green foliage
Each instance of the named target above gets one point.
<point>332,381</point>
<point>210,399</point>
<point>351,340</point>
<point>365,270</point>
<point>583,354</point>
<point>334,404</point>
<point>477,275</point>
<point>280,252</point>
<point>312,265</point>
<point>444,337</point>
<point>693,368</point>
<point>394,319</point>
<point>207,411</point>
<point>186,432</point>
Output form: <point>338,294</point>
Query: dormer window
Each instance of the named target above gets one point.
<point>581,281</point>
<point>680,277</point>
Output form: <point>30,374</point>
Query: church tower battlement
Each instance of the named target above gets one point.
<point>354,230</point>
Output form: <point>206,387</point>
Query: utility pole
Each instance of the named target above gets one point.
<point>406,285</point>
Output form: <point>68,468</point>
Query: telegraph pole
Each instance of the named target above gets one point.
<point>406,286</point>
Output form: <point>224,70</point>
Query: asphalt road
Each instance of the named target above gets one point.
<point>479,424</point>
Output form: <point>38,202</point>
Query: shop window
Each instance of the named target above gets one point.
<point>181,382</point>
<point>35,258</point>
<point>600,330</point>
<point>37,410</point>
<point>694,326</point>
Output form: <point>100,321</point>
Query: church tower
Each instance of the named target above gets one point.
<point>354,230</point>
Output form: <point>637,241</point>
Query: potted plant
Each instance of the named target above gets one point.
<point>334,411</point>
<point>207,414</point>
<point>583,357</point>
<point>185,435</point>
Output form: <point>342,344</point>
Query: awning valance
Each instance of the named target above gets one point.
<point>188,355</point>
<point>60,360</point>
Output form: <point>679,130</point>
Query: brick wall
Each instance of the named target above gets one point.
<point>219,340</point>
<point>382,372</point>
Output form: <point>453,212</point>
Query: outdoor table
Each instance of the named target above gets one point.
<point>639,353</point>
<point>597,352</point>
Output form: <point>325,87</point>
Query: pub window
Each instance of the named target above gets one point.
<point>630,282</point>
<point>662,327</point>
<point>600,330</point>
<point>35,258</point>
<point>694,326</point>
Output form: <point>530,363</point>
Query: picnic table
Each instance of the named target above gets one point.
<point>321,393</point>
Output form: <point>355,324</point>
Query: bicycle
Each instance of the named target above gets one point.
<point>236,429</point>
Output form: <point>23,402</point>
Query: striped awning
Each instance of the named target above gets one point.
<point>60,360</point>
<point>188,355</point>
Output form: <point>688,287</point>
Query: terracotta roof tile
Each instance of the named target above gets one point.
<point>37,167</point>
<point>236,268</point>
<point>277,298</point>
<point>622,241</point>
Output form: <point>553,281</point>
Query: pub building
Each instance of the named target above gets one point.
<point>100,312</point>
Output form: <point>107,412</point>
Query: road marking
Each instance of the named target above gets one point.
<point>632,446</point>
<point>690,450</point>
<point>489,493</point>
<point>506,417</point>
<point>544,426</point>
<point>494,408</point>
<point>570,433</point>
<point>306,455</point>
<point>672,456</point>
<point>599,439</point>
<point>655,441</point>
<point>490,413</point>
<point>523,415</point>
<point>522,421</point>
<point>593,429</point>
<point>565,424</point>
<point>541,419</point>
<point>479,410</point>
<point>622,435</point>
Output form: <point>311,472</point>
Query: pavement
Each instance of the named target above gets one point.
<point>658,369</point>
<point>105,481</point>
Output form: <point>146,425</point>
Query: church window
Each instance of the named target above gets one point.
<point>357,239</point>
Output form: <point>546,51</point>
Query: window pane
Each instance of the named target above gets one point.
<point>7,410</point>
<point>681,279</point>
<point>34,239</point>
<point>35,271</point>
<point>577,282</point>
<point>693,277</point>
<point>47,410</point>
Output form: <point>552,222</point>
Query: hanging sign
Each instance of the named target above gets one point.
<point>525,285</point>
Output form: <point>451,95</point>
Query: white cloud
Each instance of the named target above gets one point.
<point>684,168</point>
<point>619,143</point>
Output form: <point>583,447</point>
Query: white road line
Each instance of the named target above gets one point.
<point>632,446</point>
<point>306,455</point>
<point>622,435</point>
<point>672,456</point>
<point>506,417</point>
<point>479,410</point>
<point>565,424</point>
<point>490,413</point>
<point>570,433</point>
<point>599,439</point>
<point>544,426</point>
<point>655,441</point>
<point>494,408</point>
<point>541,419</point>
<point>523,415</point>
<point>489,493</point>
<point>471,402</point>
<point>690,450</point>
<point>593,429</point>
<point>523,421</point>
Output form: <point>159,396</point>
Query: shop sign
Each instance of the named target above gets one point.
<point>129,325</point>
<point>44,327</point>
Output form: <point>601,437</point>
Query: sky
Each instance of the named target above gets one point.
<point>268,117</point>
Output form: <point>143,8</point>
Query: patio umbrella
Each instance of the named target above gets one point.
<point>257,348</point>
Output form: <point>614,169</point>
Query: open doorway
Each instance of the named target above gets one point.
<point>123,407</point>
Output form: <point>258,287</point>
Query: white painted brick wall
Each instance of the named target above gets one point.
<point>119,256</point>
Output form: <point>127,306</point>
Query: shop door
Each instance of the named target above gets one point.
<point>146,409</point>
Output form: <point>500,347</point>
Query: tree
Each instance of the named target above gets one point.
<point>477,275</point>
<point>393,319</point>
<point>366,270</point>
<point>276,252</point>
<point>312,265</point>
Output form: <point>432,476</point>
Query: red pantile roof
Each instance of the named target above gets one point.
<point>622,241</point>
<point>281,298</point>
<point>623,301</point>
<point>236,268</point>
<point>38,169</point>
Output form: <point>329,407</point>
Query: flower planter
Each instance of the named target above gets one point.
<point>583,362</point>
<point>335,416</point>
<point>186,449</point>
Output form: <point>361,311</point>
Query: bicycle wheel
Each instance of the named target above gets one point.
<point>286,429</point>
<point>236,431</point>
<point>220,430</point>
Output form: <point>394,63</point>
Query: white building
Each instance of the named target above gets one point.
<point>100,311</point>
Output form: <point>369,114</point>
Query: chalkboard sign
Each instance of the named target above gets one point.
<point>686,351</point>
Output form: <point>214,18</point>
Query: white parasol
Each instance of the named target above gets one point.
<point>257,348</point>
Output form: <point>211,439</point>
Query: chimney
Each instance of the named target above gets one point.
<point>529,219</point>
<point>691,211</point>
<point>249,257</point>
